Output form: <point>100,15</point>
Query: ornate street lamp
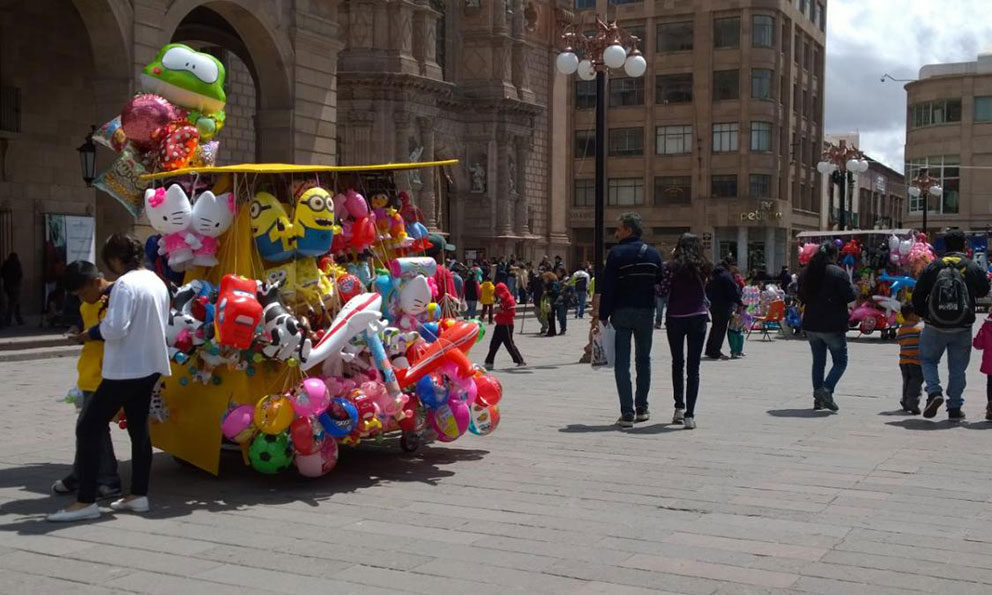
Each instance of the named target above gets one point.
<point>841,162</point>
<point>925,186</point>
<point>609,47</point>
<point>87,158</point>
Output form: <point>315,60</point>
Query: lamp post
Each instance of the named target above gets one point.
<point>841,162</point>
<point>925,186</point>
<point>87,158</point>
<point>608,47</point>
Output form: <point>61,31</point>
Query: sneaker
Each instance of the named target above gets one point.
<point>521,364</point>
<point>818,399</point>
<point>489,367</point>
<point>955,414</point>
<point>988,412</point>
<point>625,421</point>
<point>679,416</point>
<point>643,416</point>
<point>690,423</point>
<point>65,486</point>
<point>139,504</point>
<point>104,492</point>
<point>913,408</point>
<point>934,402</point>
<point>736,356</point>
<point>827,400</point>
<point>67,516</point>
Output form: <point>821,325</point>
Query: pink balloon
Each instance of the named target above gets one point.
<point>449,421</point>
<point>144,115</point>
<point>311,398</point>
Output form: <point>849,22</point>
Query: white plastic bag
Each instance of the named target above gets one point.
<point>604,345</point>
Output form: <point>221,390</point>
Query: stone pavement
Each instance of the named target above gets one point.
<point>766,496</point>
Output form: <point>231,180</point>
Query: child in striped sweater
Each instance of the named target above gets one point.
<point>908,337</point>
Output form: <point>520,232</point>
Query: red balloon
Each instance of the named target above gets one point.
<point>178,144</point>
<point>348,287</point>
<point>301,431</point>
<point>143,116</point>
<point>490,391</point>
<point>363,233</point>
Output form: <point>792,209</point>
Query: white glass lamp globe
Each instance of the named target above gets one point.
<point>636,65</point>
<point>864,165</point>
<point>586,71</point>
<point>936,191</point>
<point>614,56</point>
<point>914,191</point>
<point>825,167</point>
<point>567,63</point>
<point>852,165</point>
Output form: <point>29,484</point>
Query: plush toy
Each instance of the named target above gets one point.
<point>286,336</point>
<point>170,213</point>
<point>182,326</point>
<point>212,216</point>
<point>274,234</point>
<point>313,222</point>
<point>412,302</point>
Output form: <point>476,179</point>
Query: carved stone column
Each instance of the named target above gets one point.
<point>402,147</point>
<point>428,197</point>
<point>504,201</point>
<point>425,41</point>
<point>523,147</point>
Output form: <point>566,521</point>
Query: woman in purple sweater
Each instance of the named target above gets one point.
<point>683,281</point>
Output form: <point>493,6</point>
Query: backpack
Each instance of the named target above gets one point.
<point>950,301</point>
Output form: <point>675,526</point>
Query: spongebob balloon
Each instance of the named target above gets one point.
<point>313,222</point>
<point>190,79</point>
<point>271,228</point>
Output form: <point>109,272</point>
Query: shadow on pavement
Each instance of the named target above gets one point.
<point>799,413</point>
<point>178,489</point>
<point>979,424</point>
<point>916,423</point>
<point>583,428</point>
<point>660,428</point>
<point>896,413</point>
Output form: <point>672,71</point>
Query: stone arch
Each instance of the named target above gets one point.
<point>108,25</point>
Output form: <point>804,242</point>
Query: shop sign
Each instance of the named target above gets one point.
<point>765,212</point>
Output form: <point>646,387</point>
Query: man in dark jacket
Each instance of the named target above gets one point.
<point>724,295</point>
<point>627,302</point>
<point>944,297</point>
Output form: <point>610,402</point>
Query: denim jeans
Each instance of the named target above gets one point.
<point>819,344</point>
<point>634,322</point>
<point>957,343</point>
<point>686,337</point>
<point>470,308</point>
<point>107,469</point>
<point>659,311</point>
<point>580,307</point>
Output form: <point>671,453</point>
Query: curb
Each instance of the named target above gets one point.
<point>39,353</point>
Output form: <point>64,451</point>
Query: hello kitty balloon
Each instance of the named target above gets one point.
<point>170,213</point>
<point>212,216</point>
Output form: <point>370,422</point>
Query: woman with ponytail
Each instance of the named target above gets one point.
<point>826,291</point>
<point>135,355</point>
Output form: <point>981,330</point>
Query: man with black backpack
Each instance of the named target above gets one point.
<point>944,297</point>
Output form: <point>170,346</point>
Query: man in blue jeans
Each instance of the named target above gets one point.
<point>944,297</point>
<point>627,302</point>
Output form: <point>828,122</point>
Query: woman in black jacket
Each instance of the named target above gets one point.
<point>826,290</point>
<point>724,295</point>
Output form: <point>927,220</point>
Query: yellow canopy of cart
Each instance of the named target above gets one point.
<point>286,168</point>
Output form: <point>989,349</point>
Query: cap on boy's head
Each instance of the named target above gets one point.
<point>907,310</point>
<point>954,240</point>
<point>78,274</point>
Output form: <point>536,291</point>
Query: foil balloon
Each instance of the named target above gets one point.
<point>143,116</point>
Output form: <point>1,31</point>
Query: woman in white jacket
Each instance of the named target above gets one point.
<point>135,356</point>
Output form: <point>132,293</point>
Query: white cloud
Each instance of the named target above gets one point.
<point>866,39</point>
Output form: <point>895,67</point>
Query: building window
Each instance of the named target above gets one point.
<point>673,88</point>
<point>796,97</point>
<point>946,170</point>
<point>675,37</point>
<point>584,4</point>
<point>815,107</point>
<point>761,186</point>
<point>625,192</point>
<point>761,136</point>
<point>726,84</point>
<point>823,16</point>
<point>802,6</point>
<point>727,33</point>
<point>673,140</point>
<point>725,137</point>
<point>935,112</point>
<point>585,94</point>
<point>585,144</point>
<point>785,38</point>
<point>626,142</point>
<point>983,109</point>
<point>761,83</point>
<point>615,2</point>
<point>797,48</point>
<point>724,186</point>
<point>762,31</point>
<point>638,32</point>
<point>807,55</point>
<point>585,193</point>
<point>626,91</point>
<point>672,190</point>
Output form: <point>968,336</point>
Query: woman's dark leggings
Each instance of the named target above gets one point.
<point>988,388</point>
<point>134,395</point>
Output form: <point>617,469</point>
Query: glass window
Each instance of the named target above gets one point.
<point>935,112</point>
<point>802,6</point>
<point>946,170</point>
<point>762,31</point>
<point>672,190</point>
<point>761,186</point>
<point>727,33</point>
<point>761,136</point>
<point>983,109</point>
<point>673,140</point>
<point>626,91</point>
<point>638,32</point>
<point>625,192</point>
<point>807,55</point>
<point>584,4</point>
<point>585,193</point>
<point>761,83</point>
<point>626,142</point>
<point>673,88</point>
<point>726,84</point>
<point>675,37</point>
<point>585,94</point>
<point>585,143</point>
<point>625,1</point>
<point>725,137</point>
<point>797,48</point>
<point>724,186</point>
<point>823,16</point>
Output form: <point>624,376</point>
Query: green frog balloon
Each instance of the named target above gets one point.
<point>192,80</point>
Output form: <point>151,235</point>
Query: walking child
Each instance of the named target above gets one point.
<point>739,321</point>
<point>908,337</point>
<point>983,342</point>
<point>506,312</point>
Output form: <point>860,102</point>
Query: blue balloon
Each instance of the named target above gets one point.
<point>429,393</point>
<point>339,428</point>
<point>430,331</point>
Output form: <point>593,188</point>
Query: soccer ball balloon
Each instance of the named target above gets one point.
<point>270,453</point>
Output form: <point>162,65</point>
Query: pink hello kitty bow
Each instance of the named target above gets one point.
<point>157,199</point>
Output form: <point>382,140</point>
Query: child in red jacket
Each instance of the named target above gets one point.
<point>983,342</point>
<point>506,312</point>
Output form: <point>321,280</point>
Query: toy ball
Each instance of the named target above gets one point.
<point>838,242</point>
<point>484,419</point>
<point>301,430</point>
<point>311,398</point>
<point>309,465</point>
<point>449,421</point>
<point>431,331</point>
<point>270,453</point>
<point>489,391</point>
<point>348,287</point>
<point>430,393</point>
<point>237,424</point>
<point>273,414</point>
<point>340,419</point>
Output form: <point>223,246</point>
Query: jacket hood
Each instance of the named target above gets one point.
<point>502,289</point>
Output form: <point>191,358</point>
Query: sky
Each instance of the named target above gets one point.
<point>869,38</point>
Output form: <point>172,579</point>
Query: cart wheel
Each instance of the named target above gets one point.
<point>409,442</point>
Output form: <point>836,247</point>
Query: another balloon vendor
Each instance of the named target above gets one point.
<point>84,280</point>
<point>506,312</point>
<point>135,355</point>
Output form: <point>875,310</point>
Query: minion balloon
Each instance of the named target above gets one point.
<point>271,228</point>
<point>313,222</point>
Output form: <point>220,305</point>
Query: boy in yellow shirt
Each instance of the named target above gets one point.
<point>84,280</point>
<point>487,297</point>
